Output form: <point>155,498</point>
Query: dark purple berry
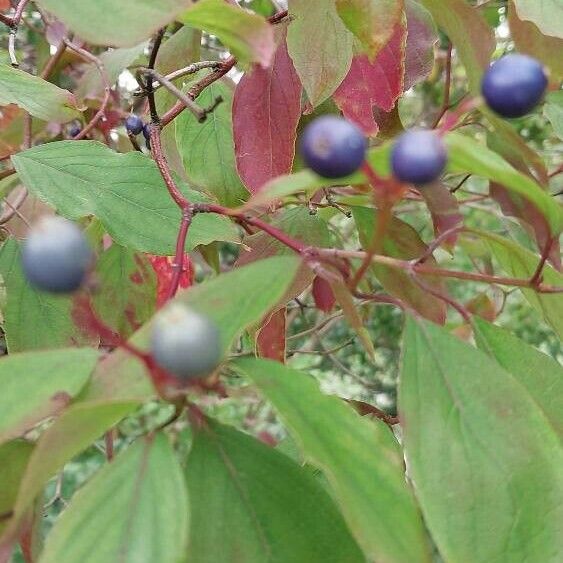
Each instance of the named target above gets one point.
<point>333,147</point>
<point>74,130</point>
<point>185,343</point>
<point>134,124</point>
<point>418,157</point>
<point>514,85</point>
<point>56,256</point>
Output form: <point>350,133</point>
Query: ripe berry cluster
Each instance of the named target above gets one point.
<point>333,147</point>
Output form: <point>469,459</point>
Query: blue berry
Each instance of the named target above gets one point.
<point>185,343</point>
<point>418,157</point>
<point>134,124</point>
<point>514,85</point>
<point>74,130</point>
<point>333,147</point>
<point>56,256</point>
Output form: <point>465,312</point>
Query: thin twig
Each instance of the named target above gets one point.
<point>86,55</point>
<point>14,206</point>
<point>537,276</point>
<point>190,69</point>
<point>178,265</point>
<point>158,156</point>
<point>152,61</point>
<point>53,61</point>
<point>447,84</point>
<point>14,30</point>
<point>150,73</point>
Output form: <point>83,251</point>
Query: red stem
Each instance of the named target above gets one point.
<point>178,265</point>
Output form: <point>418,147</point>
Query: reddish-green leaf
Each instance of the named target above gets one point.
<point>529,39</point>
<point>421,38</point>
<point>519,262</point>
<point>320,46</point>
<point>266,111</point>
<point>469,32</point>
<point>378,83</point>
<point>402,241</point>
<point>270,340</point>
<point>444,208</point>
<point>371,21</point>
<point>546,14</point>
<point>126,297</point>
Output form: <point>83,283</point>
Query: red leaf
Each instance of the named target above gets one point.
<point>163,266</point>
<point>266,111</point>
<point>323,295</point>
<point>5,5</point>
<point>378,84</point>
<point>444,208</point>
<point>530,217</point>
<point>421,37</point>
<point>270,342</point>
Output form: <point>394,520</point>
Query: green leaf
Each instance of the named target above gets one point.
<point>540,374</point>
<point>553,110</point>
<point>126,298</point>
<point>245,500</point>
<point>546,14</point>
<point>36,96</point>
<point>249,36</point>
<point>208,149</point>
<point>37,385</point>
<point>465,155</point>
<point>50,315</point>
<point>402,241</point>
<point>519,262</point>
<point>115,61</point>
<point>124,191</point>
<point>485,463</point>
<point>120,24</point>
<point>371,21</point>
<point>320,47</point>
<point>529,39</point>
<point>469,32</point>
<point>359,457</point>
<point>13,460</point>
<point>76,429</point>
<point>235,301</point>
<point>134,509</point>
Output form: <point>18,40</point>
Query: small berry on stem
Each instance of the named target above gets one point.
<point>514,85</point>
<point>418,157</point>
<point>185,343</point>
<point>333,147</point>
<point>134,124</point>
<point>56,256</point>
